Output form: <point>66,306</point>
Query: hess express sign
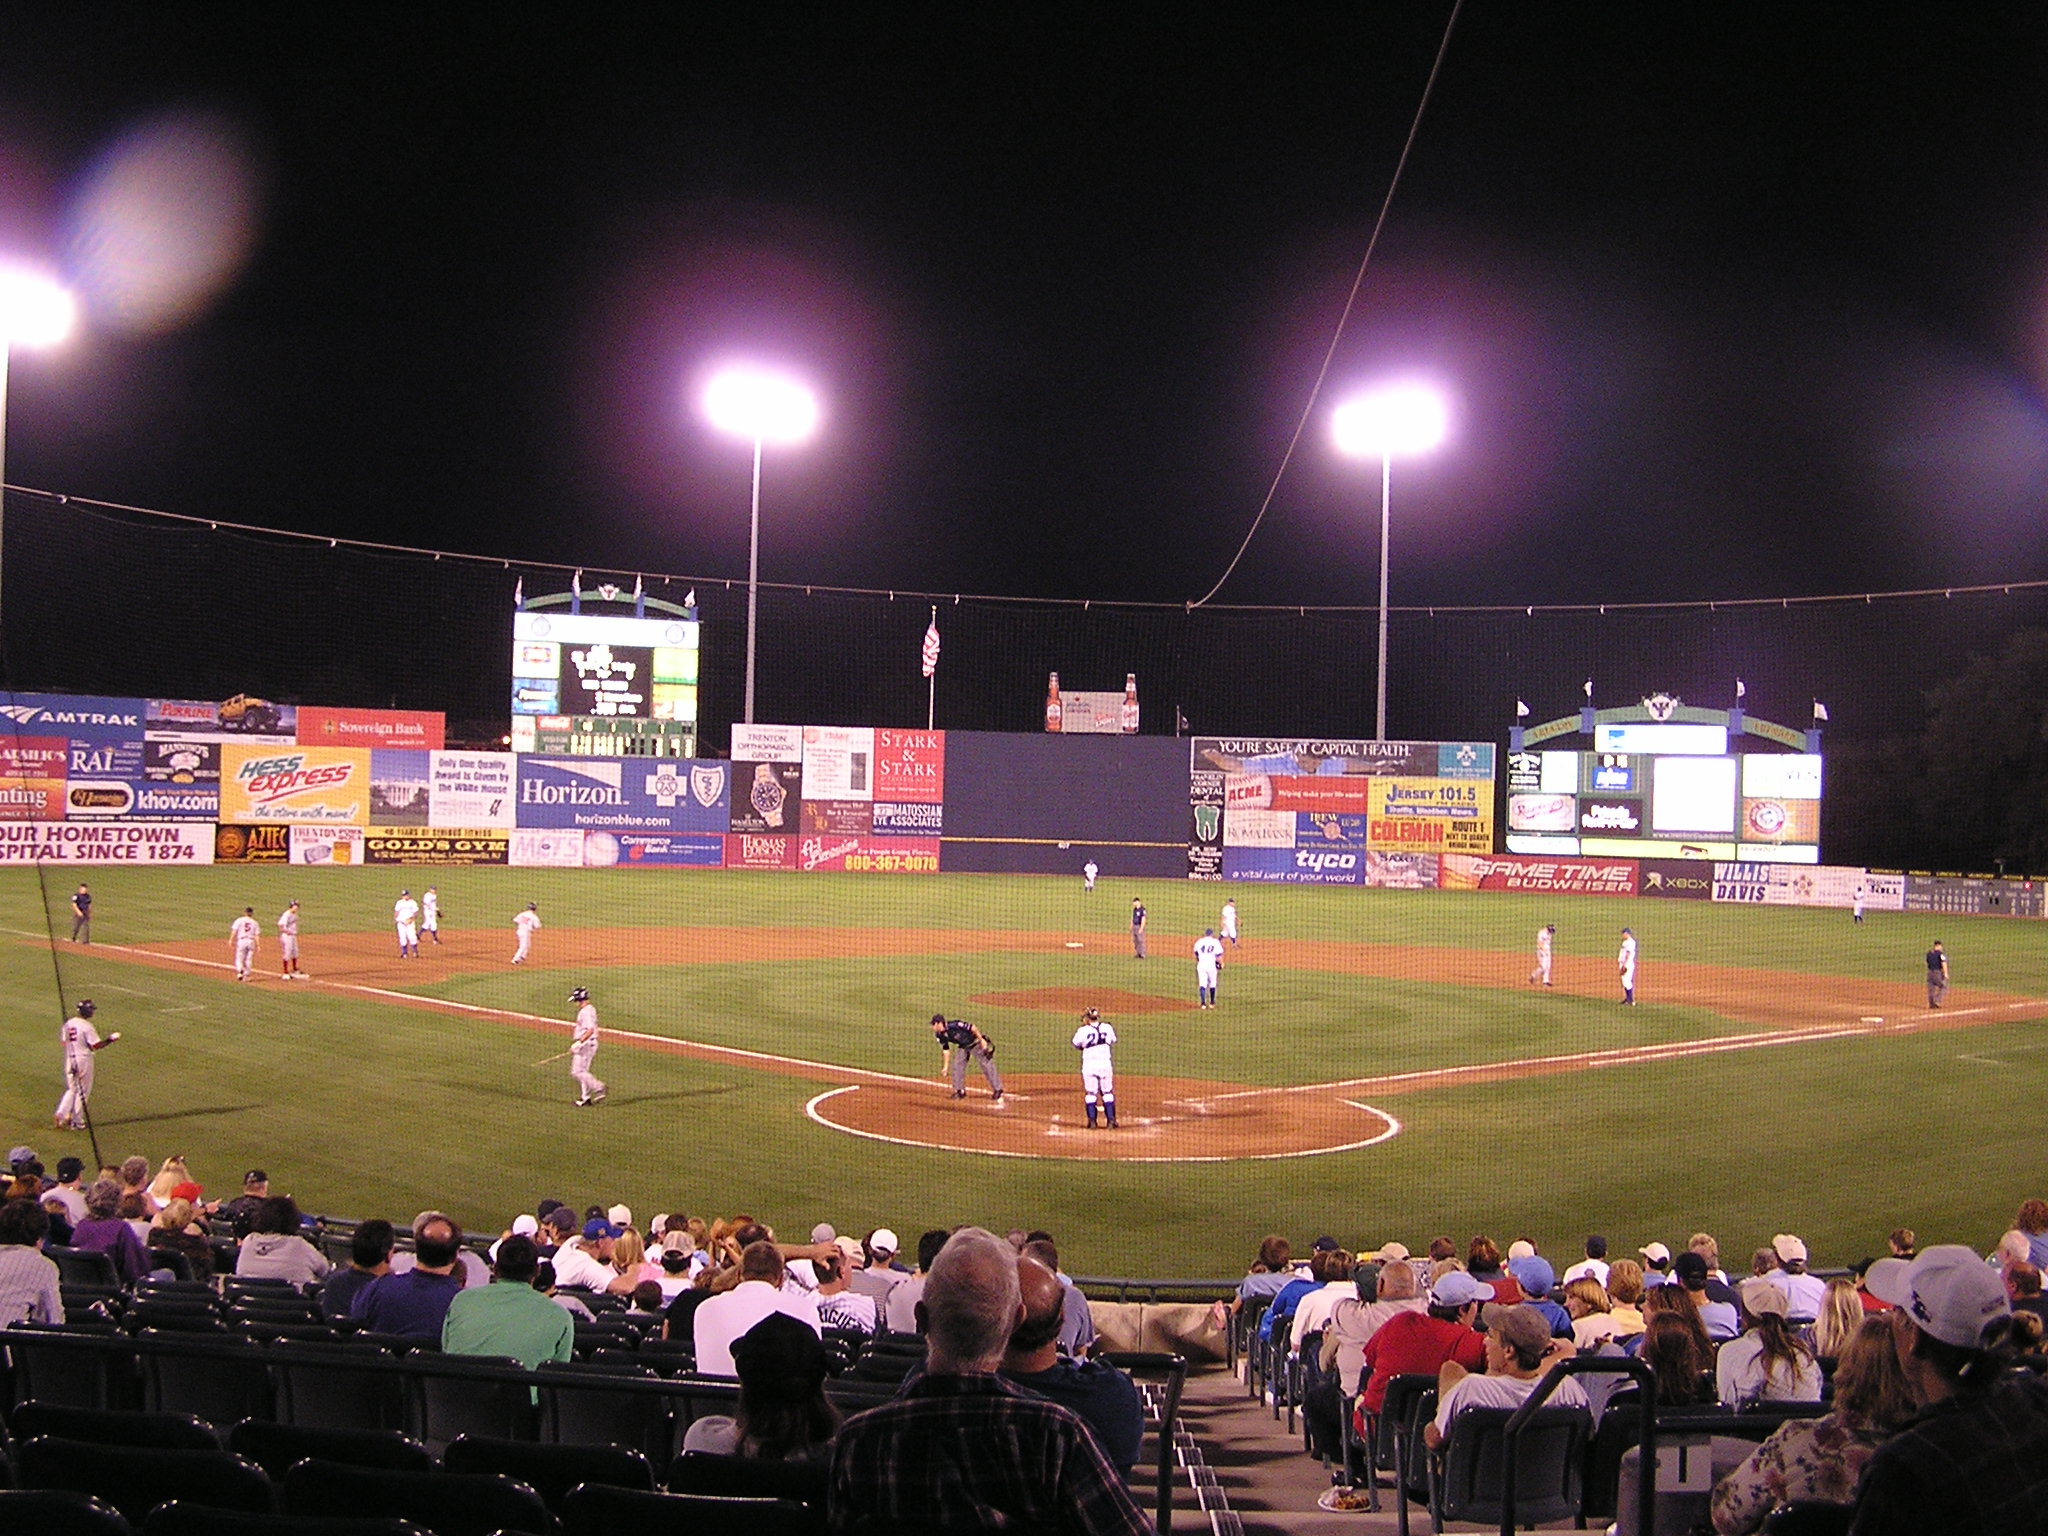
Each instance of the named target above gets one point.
<point>324,785</point>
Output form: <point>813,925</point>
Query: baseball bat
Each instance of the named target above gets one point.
<point>558,1056</point>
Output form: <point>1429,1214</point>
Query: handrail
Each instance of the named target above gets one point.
<point>1646,1417</point>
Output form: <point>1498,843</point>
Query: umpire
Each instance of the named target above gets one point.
<point>963,1040</point>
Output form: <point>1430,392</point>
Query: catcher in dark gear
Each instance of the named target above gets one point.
<point>963,1041</point>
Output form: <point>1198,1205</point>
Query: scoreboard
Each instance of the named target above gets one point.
<point>604,667</point>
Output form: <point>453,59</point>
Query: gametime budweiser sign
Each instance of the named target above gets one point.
<point>1525,872</point>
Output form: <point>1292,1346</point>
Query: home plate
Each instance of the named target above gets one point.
<point>1074,944</point>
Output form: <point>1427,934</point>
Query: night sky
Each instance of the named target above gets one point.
<point>1730,301</point>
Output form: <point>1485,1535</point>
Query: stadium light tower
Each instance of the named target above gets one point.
<point>762,407</point>
<point>34,312</point>
<point>1400,419</point>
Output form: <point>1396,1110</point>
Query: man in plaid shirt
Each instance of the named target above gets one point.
<point>961,1447</point>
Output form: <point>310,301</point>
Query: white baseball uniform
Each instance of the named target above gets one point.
<point>526,924</point>
<point>1543,961</point>
<point>288,938</point>
<point>583,1049</point>
<point>1208,959</point>
<point>430,914</point>
<point>405,915</point>
<point>242,934</point>
<point>1088,874</point>
<point>1098,1077</point>
<point>1229,928</point>
<point>80,1041</point>
<point>1625,962</point>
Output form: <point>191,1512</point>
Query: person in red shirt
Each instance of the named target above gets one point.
<point>1420,1342</point>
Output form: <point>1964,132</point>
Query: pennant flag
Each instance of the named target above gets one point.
<point>519,593</point>
<point>931,645</point>
<point>1589,688</point>
<point>1740,691</point>
<point>1521,710</point>
<point>639,588</point>
<point>1820,710</point>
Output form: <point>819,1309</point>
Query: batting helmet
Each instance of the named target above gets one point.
<point>580,995</point>
<point>87,1007</point>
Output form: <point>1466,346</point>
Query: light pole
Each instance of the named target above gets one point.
<point>34,312</point>
<point>762,407</point>
<point>1398,419</point>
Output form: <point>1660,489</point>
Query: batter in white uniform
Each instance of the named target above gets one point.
<point>288,941</point>
<point>583,1049</point>
<point>1229,930</point>
<point>81,1040</point>
<point>1625,962</point>
<point>405,915</point>
<point>526,925</point>
<point>242,934</point>
<point>1546,937</point>
<point>430,913</point>
<point>1098,1078</point>
<point>1208,961</point>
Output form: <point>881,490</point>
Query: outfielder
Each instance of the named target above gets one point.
<point>1088,873</point>
<point>964,1040</point>
<point>430,913</point>
<point>1229,929</point>
<point>405,914</point>
<point>80,1040</point>
<point>1208,962</point>
<point>526,925</point>
<point>1625,963</point>
<point>242,935</point>
<point>583,1050</point>
<point>1546,936</point>
<point>288,941</point>
<point>1098,1078</point>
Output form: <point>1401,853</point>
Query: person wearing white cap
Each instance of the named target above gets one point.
<point>1804,1294</point>
<point>1975,1460</point>
<point>1656,1264</point>
<point>880,1275</point>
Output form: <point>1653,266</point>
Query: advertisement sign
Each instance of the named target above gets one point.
<point>1525,773</point>
<point>913,820</point>
<point>458,846</point>
<point>698,796</point>
<point>76,717</point>
<point>1244,828</point>
<point>768,743</point>
<point>322,727</point>
<point>181,762</point>
<point>91,799</point>
<point>1306,757</point>
<point>1774,820</point>
<point>241,718</point>
<point>471,789</point>
<point>1541,876</point>
<point>1742,882</point>
<point>126,843</point>
<point>103,759</point>
<point>1431,816</point>
<point>1327,829</point>
<point>33,757</point>
<point>623,794</point>
<point>1606,816</point>
<point>654,850</point>
<point>1542,813</point>
<point>398,788</point>
<point>194,802</point>
<point>327,847</point>
<point>1782,775</point>
<point>1295,866</point>
<point>1693,794</point>
<point>839,818</point>
<point>1678,877</point>
<point>1091,714</point>
<point>1205,825</point>
<point>838,763</point>
<point>869,855</point>
<point>316,785</point>
<point>31,799</point>
<point>603,664</point>
<point>910,766</point>
<point>252,845</point>
<point>1403,871</point>
<point>772,795</point>
<point>748,850</point>
<point>545,848</point>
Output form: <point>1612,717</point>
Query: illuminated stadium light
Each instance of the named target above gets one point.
<point>1395,421</point>
<point>761,407</point>
<point>34,312</point>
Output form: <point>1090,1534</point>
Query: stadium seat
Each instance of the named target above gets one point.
<point>79,1266</point>
<point>59,1512</point>
<point>173,1314</point>
<point>1466,1479</point>
<point>668,1356</point>
<point>446,1503</point>
<point>179,1518</point>
<point>223,1381</point>
<point>277,1448</point>
<point>350,1385</point>
<point>581,1405</point>
<point>449,1405</point>
<point>551,1470</point>
<point>595,1510</point>
<point>142,1477</point>
<point>749,1477</point>
<point>107,1426</point>
<point>83,1368</point>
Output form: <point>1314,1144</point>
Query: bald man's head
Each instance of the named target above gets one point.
<point>1045,1302</point>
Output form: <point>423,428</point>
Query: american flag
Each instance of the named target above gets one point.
<point>931,647</point>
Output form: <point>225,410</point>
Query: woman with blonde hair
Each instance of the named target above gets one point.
<point>1591,1312</point>
<point>179,1228</point>
<point>168,1178</point>
<point>1841,1314</point>
<point>1625,1292</point>
<point>1823,1459</point>
<point>629,1258</point>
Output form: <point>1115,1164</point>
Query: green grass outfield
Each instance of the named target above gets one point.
<point>361,1107</point>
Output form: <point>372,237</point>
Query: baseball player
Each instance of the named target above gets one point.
<point>1088,873</point>
<point>583,1049</point>
<point>526,925</point>
<point>1208,962</point>
<point>288,941</point>
<point>1137,928</point>
<point>242,935</point>
<point>964,1040</point>
<point>1625,963</point>
<point>430,913</point>
<point>1098,1078</point>
<point>405,914</point>
<point>1228,932</point>
<point>80,1040</point>
<point>81,916</point>
<point>1856,911</point>
<point>1937,975</point>
<point>1546,937</point>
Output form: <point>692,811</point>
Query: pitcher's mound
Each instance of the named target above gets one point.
<point>1074,999</point>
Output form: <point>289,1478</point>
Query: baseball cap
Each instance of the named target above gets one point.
<point>1690,1268</point>
<point>596,1228</point>
<point>620,1216</point>
<point>824,1232</point>
<point>69,1168</point>
<point>254,1176</point>
<point>185,1191</point>
<point>1390,1253</point>
<point>781,1359</point>
<point>1455,1288</point>
<point>1947,1291</point>
<point>1533,1274</point>
<point>21,1155</point>
<point>674,1261</point>
<point>883,1241</point>
<point>1521,1248</point>
<point>1656,1253</point>
<point>1325,1244</point>
<point>562,1219</point>
<point>1788,1248</point>
<point>1760,1296</point>
<point>524,1226</point>
<point>850,1246</point>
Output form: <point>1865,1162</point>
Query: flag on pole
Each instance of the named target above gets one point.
<point>1820,710</point>
<point>519,593</point>
<point>1521,709</point>
<point>1589,688</point>
<point>931,645</point>
<point>1740,691</point>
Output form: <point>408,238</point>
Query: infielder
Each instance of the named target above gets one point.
<point>1208,961</point>
<point>288,941</point>
<point>430,913</point>
<point>1625,963</point>
<point>1137,928</point>
<point>583,1049</point>
<point>1088,873</point>
<point>526,925</point>
<point>80,1040</point>
<point>963,1040</point>
<point>242,935</point>
<point>405,915</point>
<point>1098,1078</point>
<point>1229,929</point>
<point>1546,936</point>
